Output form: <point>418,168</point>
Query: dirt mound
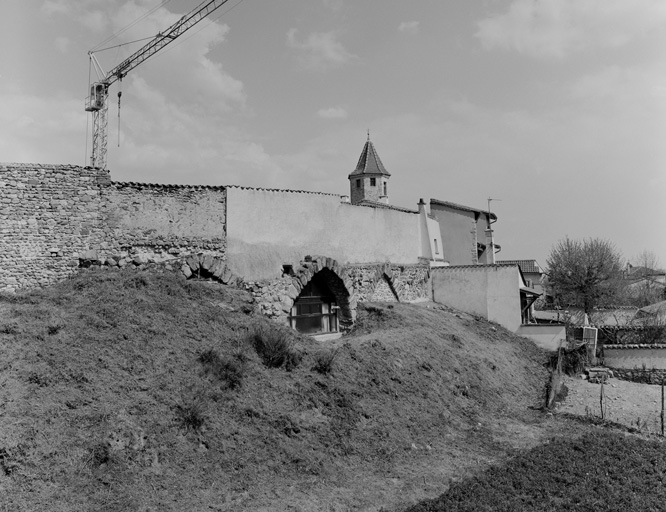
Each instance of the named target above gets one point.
<point>116,394</point>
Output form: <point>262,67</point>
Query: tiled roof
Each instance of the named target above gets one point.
<point>369,162</point>
<point>656,308</point>
<point>530,266</point>
<point>470,267</point>
<point>134,184</point>
<point>461,207</point>
<point>374,204</point>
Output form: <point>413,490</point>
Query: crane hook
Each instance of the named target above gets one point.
<point>120,93</point>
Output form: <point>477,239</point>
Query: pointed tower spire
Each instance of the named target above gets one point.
<point>369,181</point>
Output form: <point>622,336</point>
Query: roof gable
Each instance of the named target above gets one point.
<point>527,266</point>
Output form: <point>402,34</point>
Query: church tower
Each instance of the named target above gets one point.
<point>369,181</point>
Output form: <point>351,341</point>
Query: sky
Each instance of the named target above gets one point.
<point>555,109</point>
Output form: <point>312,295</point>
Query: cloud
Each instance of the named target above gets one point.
<point>85,12</point>
<point>409,27</point>
<point>62,44</point>
<point>181,70</point>
<point>41,129</point>
<point>558,28</point>
<point>320,51</point>
<point>333,113</point>
<point>334,5</point>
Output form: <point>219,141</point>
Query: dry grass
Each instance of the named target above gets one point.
<point>141,391</point>
<point>598,471</point>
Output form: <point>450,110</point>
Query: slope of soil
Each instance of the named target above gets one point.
<point>602,470</point>
<point>105,403</point>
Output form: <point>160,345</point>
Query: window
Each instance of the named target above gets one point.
<point>358,183</point>
<point>315,310</point>
<point>436,247</point>
<point>373,182</point>
<point>385,188</point>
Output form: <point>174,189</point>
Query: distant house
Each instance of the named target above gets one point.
<point>465,231</point>
<point>496,292</point>
<point>644,285</point>
<point>532,272</point>
<point>652,312</point>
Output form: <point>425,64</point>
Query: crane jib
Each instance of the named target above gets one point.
<point>96,103</point>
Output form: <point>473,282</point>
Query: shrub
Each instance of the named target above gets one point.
<point>228,370</point>
<point>99,454</point>
<point>9,328</point>
<point>274,346</point>
<point>191,415</point>
<point>572,362</point>
<point>324,361</point>
<point>54,328</point>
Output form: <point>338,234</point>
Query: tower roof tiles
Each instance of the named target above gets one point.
<point>369,162</point>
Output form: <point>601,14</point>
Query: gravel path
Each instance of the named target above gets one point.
<point>625,402</point>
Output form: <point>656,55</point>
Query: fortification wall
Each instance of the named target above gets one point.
<point>53,218</point>
<point>269,228</point>
<point>48,215</point>
<point>165,219</point>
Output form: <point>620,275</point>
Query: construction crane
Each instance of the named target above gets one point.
<point>97,103</point>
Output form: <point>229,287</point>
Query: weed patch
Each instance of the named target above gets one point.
<point>10,459</point>
<point>9,328</point>
<point>599,471</point>
<point>228,370</point>
<point>274,345</point>
<point>324,361</point>
<point>191,415</point>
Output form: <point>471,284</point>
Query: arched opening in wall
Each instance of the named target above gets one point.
<point>385,291</point>
<point>202,274</point>
<point>322,306</point>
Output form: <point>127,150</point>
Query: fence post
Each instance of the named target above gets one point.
<point>601,398</point>
<point>662,408</point>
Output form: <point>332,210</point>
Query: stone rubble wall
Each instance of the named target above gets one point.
<point>375,282</point>
<point>387,282</point>
<point>56,218</point>
<point>48,214</point>
<point>651,376</point>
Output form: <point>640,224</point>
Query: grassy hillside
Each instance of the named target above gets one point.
<point>140,391</point>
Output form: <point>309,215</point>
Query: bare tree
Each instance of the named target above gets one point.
<point>584,273</point>
<point>644,281</point>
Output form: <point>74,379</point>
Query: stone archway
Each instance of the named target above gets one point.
<point>208,266</point>
<point>328,277</point>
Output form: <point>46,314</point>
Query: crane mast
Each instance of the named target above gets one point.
<point>97,102</point>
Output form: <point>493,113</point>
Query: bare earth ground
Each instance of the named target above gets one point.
<point>628,403</point>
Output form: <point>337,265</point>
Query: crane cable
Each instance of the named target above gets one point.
<point>203,27</point>
<point>130,25</point>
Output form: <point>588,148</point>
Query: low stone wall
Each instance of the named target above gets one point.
<point>203,265</point>
<point>651,376</point>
